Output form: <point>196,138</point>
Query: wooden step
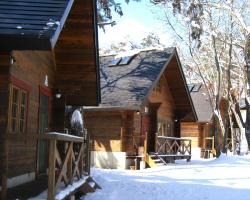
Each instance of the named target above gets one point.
<point>154,161</point>
<point>90,186</point>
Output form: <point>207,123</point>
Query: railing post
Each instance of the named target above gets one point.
<point>156,142</point>
<point>81,160</point>
<point>190,146</point>
<point>88,155</point>
<point>69,164</point>
<point>122,133</point>
<point>52,166</point>
<point>146,143</point>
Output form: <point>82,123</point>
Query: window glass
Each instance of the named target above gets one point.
<point>18,110</point>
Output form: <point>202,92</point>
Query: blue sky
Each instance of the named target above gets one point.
<point>139,20</point>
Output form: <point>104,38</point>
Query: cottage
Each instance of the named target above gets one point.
<point>204,127</point>
<point>141,94</point>
<point>48,59</point>
<point>204,133</point>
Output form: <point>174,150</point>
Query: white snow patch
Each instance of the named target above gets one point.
<point>227,177</point>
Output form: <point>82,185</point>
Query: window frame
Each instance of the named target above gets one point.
<point>22,89</point>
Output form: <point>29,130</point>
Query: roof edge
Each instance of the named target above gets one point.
<point>159,76</point>
<point>55,37</point>
<point>185,83</point>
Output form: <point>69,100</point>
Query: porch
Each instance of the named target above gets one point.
<point>67,173</point>
<point>167,149</point>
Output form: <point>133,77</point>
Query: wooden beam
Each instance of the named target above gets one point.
<point>4,100</point>
<point>5,170</point>
<point>52,166</point>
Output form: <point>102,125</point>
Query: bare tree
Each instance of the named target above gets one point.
<point>214,33</point>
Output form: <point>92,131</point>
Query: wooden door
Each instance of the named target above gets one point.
<point>43,127</point>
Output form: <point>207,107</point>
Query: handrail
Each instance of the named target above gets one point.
<point>173,138</point>
<point>68,160</point>
<point>61,137</point>
<point>173,146</point>
<point>136,141</point>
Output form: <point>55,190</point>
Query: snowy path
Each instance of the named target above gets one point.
<point>226,178</point>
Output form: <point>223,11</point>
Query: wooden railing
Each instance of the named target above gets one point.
<point>69,160</point>
<point>134,141</point>
<point>173,146</point>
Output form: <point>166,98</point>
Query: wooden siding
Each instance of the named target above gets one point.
<point>76,56</point>
<point>178,88</point>
<point>196,132</point>
<point>4,91</point>
<point>109,130</point>
<point>105,130</point>
<point>193,131</point>
<point>166,110</point>
<point>30,67</point>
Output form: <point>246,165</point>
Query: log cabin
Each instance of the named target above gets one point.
<point>141,94</point>
<point>204,127</point>
<point>204,134</point>
<point>48,60</point>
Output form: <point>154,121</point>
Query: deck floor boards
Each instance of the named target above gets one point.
<point>28,190</point>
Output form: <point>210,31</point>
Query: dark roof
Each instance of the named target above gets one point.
<point>128,85</point>
<point>31,24</point>
<point>201,103</point>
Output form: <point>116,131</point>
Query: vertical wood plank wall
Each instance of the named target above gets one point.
<point>75,55</point>
<point>105,129</point>
<point>166,110</point>
<point>4,91</point>
<point>30,67</point>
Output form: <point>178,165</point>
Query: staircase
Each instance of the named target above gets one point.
<point>153,160</point>
<point>89,186</point>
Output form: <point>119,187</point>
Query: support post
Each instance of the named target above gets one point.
<point>88,155</point>
<point>52,166</point>
<point>146,143</point>
<point>69,164</point>
<point>5,170</point>
<point>122,136</point>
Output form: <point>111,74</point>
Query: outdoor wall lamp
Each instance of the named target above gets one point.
<point>58,93</point>
<point>12,60</point>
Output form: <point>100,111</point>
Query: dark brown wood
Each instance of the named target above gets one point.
<point>69,161</point>
<point>76,56</point>
<point>52,166</point>
<point>4,148</point>
<point>171,147</point>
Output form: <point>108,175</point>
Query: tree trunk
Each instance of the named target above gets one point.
<point>247,125</point>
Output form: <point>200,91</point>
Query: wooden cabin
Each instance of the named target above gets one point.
<point>141,95</point>
<point>204,127</point>
<point>48,59</point>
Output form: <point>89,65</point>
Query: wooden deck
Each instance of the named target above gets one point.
<point>68,169</point>
<point>28,190</point>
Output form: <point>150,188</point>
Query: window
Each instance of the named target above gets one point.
<point>114,62</point>
<point>18,110</point>
<point>165,127</point>
<point>121,61</point>
<point>126,60</point>
<point>196,88</point>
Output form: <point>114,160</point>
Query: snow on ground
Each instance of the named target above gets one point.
<point>226,178</point>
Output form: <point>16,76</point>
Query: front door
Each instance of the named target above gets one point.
<point>43,127</point>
